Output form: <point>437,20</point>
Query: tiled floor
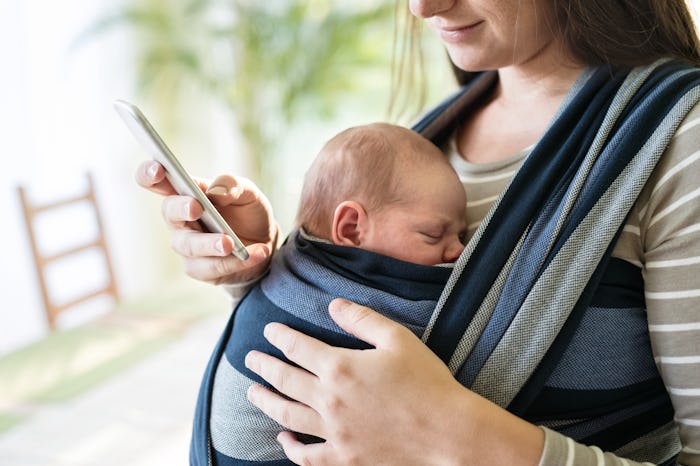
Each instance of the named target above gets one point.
<point>140,417</point>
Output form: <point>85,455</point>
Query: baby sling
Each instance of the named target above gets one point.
<point>519,298</point>
<point>542,256</point>
<point>305,276</point>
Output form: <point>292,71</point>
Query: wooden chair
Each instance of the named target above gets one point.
<point>42,261</point>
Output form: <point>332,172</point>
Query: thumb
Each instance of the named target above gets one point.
<point>233,190</point>
<point>365,323</point>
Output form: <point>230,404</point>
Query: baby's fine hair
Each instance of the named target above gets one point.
<point>364,164</point>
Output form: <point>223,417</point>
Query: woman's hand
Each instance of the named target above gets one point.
<point>369,405</point>
<point>395,404</point>
<point>207,256</point>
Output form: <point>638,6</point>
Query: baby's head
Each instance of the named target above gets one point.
<point>386,189</point>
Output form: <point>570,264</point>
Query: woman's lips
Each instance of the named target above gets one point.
<point>458,34</point>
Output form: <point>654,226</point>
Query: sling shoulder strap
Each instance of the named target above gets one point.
<point>537,257</point>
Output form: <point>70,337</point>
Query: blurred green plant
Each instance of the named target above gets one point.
<point>270,62</point>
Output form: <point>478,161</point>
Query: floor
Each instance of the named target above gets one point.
<point>141,416</point>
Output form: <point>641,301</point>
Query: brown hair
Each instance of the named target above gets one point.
<point>360,164</point>
<point>620,33</point>
<point>626,33</point>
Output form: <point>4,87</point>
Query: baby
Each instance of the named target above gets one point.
<point>380,208</point>
<point>373,187</point>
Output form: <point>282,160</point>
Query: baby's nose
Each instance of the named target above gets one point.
<point>453,251</point>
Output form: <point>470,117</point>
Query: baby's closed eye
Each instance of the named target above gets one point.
<point>432,235</point>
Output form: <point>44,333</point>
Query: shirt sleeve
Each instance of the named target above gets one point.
<point>238,290</point>
<point>669,228</point>
<point>560,450</point>
<point>666,222</point>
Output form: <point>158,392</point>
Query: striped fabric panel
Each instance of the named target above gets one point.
<point>667,250</point>
<point>610,350</point>
<point>296,292</point>
<point>659,443</point>
<point>524,342</point>
<point>482,263</point>
<point>305,283</point>
<point>241,434</point>
<point>607,378</point>
<point>239,430</point>
<point>483,183</point>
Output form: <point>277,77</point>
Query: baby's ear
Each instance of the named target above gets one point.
<point>349,219</point>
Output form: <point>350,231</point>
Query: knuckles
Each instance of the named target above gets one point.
<point>280,381</point>
<point>289,344</point>
<point>396,333</point>
<point>221,266</point>
<point>334,405</point>
<point>285,418</point>
<point>339,371</point>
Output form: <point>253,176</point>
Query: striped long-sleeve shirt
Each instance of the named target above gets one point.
<point>662,237</point>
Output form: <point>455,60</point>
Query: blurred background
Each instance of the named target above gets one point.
<point>239,86</point>
<point>252,88</point>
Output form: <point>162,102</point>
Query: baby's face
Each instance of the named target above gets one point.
<point>428,226</point>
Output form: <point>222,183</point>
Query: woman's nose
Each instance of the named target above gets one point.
<point>428,8</point>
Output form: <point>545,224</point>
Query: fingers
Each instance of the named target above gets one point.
<point>292,381</point>
<point>151,175</point>
<point>299,348</point>
<point>217,268</point>
<point>178,210</point>
<point>193,243</point>
<point>300,453</point>
<point>207,256</point>
<point>289,414</point>
<point>366,324</point>
<point>196,244</point>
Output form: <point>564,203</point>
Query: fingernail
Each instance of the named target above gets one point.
<point>152,170</point>
<point>235,191</point>
<point>251,393</point>
<point>187,211</point>
<point>217,190</point>
<point>269,330</point>
<point>219,246</point>
<point>338,305</point>
<point>248,360</point>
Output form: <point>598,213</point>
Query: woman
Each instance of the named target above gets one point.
<point>562,96</point>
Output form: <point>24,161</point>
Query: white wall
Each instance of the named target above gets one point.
<point>56,123</point>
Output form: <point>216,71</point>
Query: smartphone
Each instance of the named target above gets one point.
<point>140,127</point>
